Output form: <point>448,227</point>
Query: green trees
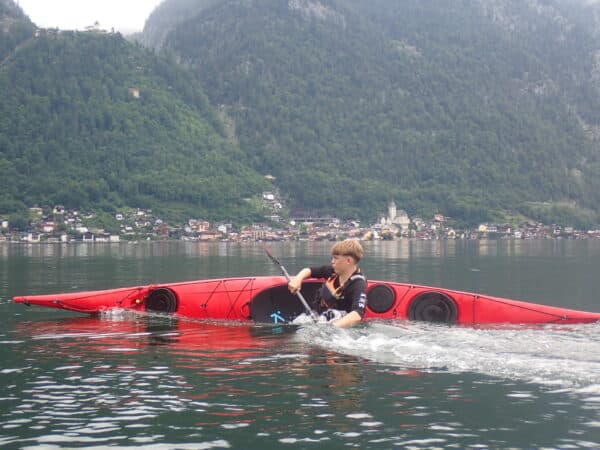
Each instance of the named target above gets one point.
<point>89,120</point>
<point>371,100</point>
<point>469,109</point>
<point>15,28</point>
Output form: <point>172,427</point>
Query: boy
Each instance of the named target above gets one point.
<point>345,289</point>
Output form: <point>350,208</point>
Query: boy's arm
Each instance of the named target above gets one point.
<point>295,282</point>
<point>359,302</point>
<point>349,320</point>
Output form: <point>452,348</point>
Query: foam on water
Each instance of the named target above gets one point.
<point>566,356</point>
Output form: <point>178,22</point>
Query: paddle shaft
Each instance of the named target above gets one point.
<point>312,314</point>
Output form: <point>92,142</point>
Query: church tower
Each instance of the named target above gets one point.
<point>392,211</point>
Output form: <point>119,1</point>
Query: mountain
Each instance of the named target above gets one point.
<point>166,16</point>
<point>88,120</point>
<point>15,27</point>
<point>474,109</point>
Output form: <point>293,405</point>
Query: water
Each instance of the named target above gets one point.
<point>130,381</point>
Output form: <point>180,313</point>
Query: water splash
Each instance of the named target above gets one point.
<point>567,357</point>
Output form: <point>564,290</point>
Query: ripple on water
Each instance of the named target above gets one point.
<point>14,370</point>
<point>208,445</point>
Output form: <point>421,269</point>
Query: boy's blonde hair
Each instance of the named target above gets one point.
<point>349,247</point>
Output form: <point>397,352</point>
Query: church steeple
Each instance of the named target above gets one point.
<point>392,210</point>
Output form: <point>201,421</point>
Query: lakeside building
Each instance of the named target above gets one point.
<point>60,225</point>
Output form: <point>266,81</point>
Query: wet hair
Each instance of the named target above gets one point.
<point>349,247</point>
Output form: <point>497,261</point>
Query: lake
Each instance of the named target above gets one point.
<point>140,381</point>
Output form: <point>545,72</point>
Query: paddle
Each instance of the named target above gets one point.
<point>313,314</point>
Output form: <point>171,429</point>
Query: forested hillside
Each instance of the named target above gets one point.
<point>471,108</point>
<point>15,28</point>
<point>89,120</point>
<point>477,109</point>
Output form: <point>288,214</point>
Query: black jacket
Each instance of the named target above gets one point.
<point>350,297</point>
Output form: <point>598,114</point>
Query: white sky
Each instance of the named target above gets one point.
<point>123,15</point>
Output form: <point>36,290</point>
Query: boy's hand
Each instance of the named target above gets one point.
<point>294,285</point>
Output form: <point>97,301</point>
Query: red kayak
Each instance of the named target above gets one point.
<point>267,299</point>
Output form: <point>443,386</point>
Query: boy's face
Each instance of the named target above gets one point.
<point>341,263</point>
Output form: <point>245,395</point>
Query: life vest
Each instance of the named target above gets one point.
<point>332,295</point>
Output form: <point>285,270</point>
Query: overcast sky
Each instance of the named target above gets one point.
<point>122,15</point>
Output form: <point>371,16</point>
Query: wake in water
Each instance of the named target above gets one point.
<point>567,357</point>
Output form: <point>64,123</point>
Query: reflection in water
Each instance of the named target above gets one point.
<point>99,379</point>
<point>142,250</point>
<point>121,379</point>
<point>121,372</point>
<point>128,332</point>
<point>401,249</point>
<point>507,268</point>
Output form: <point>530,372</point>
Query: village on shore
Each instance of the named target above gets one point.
<point>60,225</point>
